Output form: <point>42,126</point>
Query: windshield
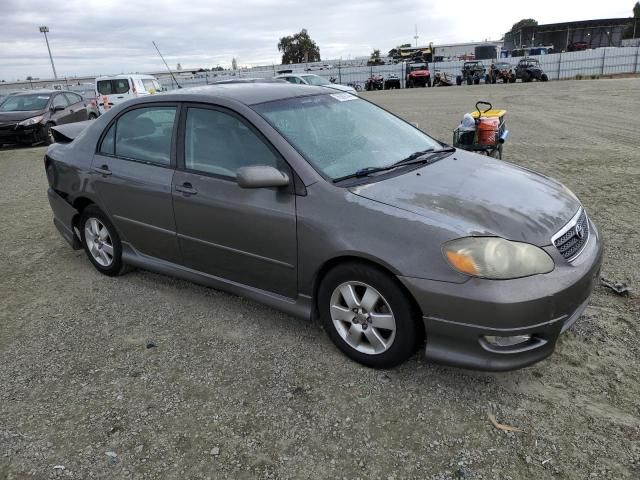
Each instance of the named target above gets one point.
<point>24,103</point>
<point>339,134</point>
<point>315,80</point>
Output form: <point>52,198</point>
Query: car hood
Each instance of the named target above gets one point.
<point>6,117</point>
<point>476,195</point>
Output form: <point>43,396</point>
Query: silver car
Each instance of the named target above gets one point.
<point>330,208</point>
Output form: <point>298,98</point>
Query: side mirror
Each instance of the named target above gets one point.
<point>261,176</point>
<point>57,108</point>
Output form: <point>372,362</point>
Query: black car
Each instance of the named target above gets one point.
<point>529,69</point>
<point>27,118</point>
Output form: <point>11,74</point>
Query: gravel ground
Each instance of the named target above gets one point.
<point>145,376</point>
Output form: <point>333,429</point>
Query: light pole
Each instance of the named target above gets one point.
<point>44,29</point>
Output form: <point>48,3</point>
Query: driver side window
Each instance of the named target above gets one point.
<point>220,143</point>
<point>60,101</point>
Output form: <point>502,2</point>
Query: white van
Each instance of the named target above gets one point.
<point>118,88</point>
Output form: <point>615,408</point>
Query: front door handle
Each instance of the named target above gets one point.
<point>186,188</point>
<point>103,170</point>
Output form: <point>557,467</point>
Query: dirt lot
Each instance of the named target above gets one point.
<point>234,389</point>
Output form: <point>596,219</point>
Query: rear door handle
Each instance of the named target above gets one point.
<point>186,188</point>
<point>103,170</point>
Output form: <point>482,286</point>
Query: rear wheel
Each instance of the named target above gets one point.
<point>101,241</point>
<point>544,77</point>
<point>92,116</point>
<point>368,316</point>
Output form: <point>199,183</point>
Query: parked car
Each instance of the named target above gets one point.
<point>27,118</point>
<point>119,88</point>
<point>315,80</point>
<point>328,207</point>
<point>418,75</point>
<point>472,73</point>
<point>529,69</point>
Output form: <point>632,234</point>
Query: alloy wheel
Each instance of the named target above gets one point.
<point>363,318</point>
<point>99,242</point>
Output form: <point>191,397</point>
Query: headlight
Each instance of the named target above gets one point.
<point>496,258</point>
<point>31,121</point>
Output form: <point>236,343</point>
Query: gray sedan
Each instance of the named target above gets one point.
<point>325,206</point>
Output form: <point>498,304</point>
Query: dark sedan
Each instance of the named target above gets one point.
<point>328,207</point>
<point>27,118</point>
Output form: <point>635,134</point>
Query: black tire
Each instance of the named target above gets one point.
<point>458,80</point>
<point>469,80</point>
<point>410,84</point>
<point>476,81</point>
<point>544,77</point>
<point>48,134</point>
<point>526,77</point>
<point>116,267</point>
<point>92,116</point>
<point>513,79</point>
<point>408,334</point>
<point>429,82</point>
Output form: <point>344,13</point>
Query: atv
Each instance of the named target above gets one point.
<point>529,69</point>
<point>374,82</point>
<point>392,81</point>
<point>500,71</point>
<point>472,72</point>
<point>441,79</point>
<point>418,75</point>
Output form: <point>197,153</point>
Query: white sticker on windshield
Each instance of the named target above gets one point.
<point>344,97</point>
<point>43,98</point>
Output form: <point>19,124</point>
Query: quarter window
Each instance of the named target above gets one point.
<point>220,143</point>
<point>143,134</point>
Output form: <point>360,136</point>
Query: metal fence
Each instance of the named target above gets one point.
<point>557,66</point>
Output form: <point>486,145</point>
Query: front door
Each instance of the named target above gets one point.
<point>243,235</point>
<point>62,113</point>
<point>77,107</point>
<point>133,173</point>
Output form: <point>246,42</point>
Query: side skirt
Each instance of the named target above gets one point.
<point>299,307</point>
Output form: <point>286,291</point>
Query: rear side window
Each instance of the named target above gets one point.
<point>110,87</point>
<point>150,85</point>
<point>73,98</point>
<point>60,101</point>
<point>143,134</point>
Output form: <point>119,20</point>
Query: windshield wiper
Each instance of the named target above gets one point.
<point>415,158</point>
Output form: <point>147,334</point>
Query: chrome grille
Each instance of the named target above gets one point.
<point>573,237</point>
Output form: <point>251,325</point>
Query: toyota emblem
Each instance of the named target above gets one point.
<point>580,231</point>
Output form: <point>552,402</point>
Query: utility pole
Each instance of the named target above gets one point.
<point>44,29</point>
<point>416,35</point>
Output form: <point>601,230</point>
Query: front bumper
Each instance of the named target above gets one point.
<point>16,134</point>
<point>457,317</point>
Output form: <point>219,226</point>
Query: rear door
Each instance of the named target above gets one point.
<point>77,107</point>
<point>62,112</point>
<point>243,235</point>
<point>133,171</point>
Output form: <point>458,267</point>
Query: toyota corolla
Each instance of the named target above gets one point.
<point>328,207</point>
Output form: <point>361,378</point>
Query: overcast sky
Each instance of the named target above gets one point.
<point>114,36</point>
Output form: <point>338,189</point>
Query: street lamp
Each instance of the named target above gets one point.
<point>44,29</point>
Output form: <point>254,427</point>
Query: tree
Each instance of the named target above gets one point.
<point>633,29</point>
<point>234,64</point>
<point>29,78</point>
<point>298,48</point>
<point>525,22</point>
<point>375,58</point>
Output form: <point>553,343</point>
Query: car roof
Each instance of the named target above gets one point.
<point>40,91</point>
<point>246,93</point>
<point>124,75</point>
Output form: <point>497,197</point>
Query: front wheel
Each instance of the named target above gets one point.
<point>544,77</point>
<point>48,133</point>
<point>368,316</point>
<point>92,116</point>
<point>101,242</point>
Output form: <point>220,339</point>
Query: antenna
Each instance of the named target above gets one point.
<point>165,63</point>
<point>416,36</point>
